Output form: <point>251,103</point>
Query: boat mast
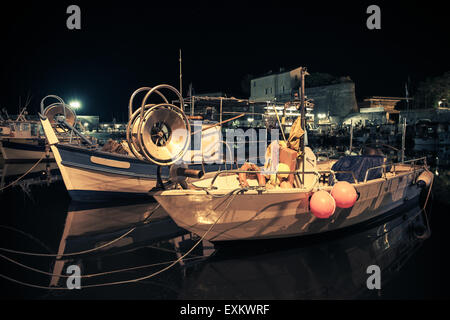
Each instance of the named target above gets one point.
<point>181,83</point>
<point>351,137</point>
<point>303,120</point>
<point>403,139</point>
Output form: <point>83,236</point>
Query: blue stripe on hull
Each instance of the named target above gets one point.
<point>105,196</point>
<point>81,158</point>
<point>40,147</point>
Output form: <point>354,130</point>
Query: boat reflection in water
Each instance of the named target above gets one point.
<point>100,229</point>
<point>328,266</point>
<point>334,268</point>
<point>28,173</point>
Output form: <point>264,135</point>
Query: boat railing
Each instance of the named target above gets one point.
<point>393,167</point>
<point>414,161</point>
<point>383,167</point>
<point>297,173</point>
<point>319,173</point>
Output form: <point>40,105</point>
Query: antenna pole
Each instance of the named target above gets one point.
<point>351,136</point>
<point>181,80</point>
<point>403,139</point>
<point>303,120</point>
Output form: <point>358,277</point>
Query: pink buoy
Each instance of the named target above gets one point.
<point>322,204</point>
<point>344,194</point>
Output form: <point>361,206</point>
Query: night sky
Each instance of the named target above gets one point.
<point>125,45</point>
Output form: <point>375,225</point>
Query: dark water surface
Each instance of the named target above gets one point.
<point>42,218</point>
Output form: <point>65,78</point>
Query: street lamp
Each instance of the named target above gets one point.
<point>75,104</point>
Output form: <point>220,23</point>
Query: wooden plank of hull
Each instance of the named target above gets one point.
<point>277,214</point>
<point>83,185</point>
<point>102,179</point>
<point>97,184</point>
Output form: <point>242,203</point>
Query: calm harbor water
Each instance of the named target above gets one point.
<point>41,218</point>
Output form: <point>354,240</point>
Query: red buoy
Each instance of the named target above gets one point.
<point>322,204</point>
<point>344,194</point>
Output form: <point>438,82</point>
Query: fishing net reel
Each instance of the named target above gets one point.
<point>57,112</point>
<point>159,133</point>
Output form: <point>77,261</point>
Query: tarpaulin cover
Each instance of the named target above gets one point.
<point>359,166</point>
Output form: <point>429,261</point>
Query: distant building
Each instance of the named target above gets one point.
<point>279,86</point>
<point>381,104</point>
<point>89,122</point>
<point>336,99</point>
<point>376,110</point>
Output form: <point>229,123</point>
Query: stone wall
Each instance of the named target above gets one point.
<point>337,99</point>
<point>277,86</point>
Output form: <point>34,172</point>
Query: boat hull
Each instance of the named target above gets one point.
<point>280,213</point>
<point>92,176</point>
<point>23,149</point>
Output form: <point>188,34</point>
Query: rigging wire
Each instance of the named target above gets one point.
<point>26,234</point>
<point>22,176</point>
<point>34,254</point>
<point>92,275</point>
<point>426,202</point>
<point>231,194</point>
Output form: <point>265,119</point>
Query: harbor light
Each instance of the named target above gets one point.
<point>75,104</point>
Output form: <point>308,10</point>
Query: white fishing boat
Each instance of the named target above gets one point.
<point>220,209</point>
<point>301,197</point>
<point>91,174</point>
<point>21,141</point>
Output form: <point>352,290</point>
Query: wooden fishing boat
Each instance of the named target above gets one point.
<point>21,141</point>
<point>220,209</point>
<point>91,174</point>
<point>302,197</point>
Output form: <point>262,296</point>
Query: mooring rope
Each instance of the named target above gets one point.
<point>26,234</point>
<point>34,254</point>
<point>426,202</point>
<point>92,275</point>
<point>232,195</point>
<point>29,170</point>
